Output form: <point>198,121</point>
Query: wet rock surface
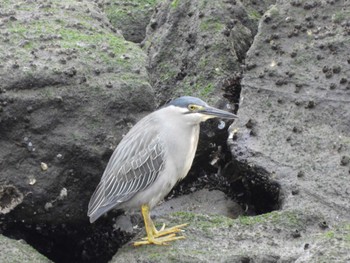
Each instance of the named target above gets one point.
<point>71,86</point>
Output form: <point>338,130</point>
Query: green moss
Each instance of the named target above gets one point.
<point>155,256</point>
<point>341,232</point>
<point>206,222</point>
<point>126,12</point>
<point>288,218</point>
<point>273,11</point>
<point>175,3</point>
<point>207,90</point>
<point>340,17</point>
<point>329,234</point>
<point>211,25</point>
<point>253,14</point>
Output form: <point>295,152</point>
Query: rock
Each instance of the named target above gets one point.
<point>81,126</point>
<point>300,143</point>
<point>196,46</point>
<point>200,202</point>
<point>63,115</point>
<point>71,86</point>
<point>13,251</point>
<point>264,238</point>
<point>130,17</point>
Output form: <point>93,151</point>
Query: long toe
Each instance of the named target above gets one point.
<point>165,231</point>
<point>158,240</point>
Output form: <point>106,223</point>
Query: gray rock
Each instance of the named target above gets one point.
<point>200,202</point>
<point>194,47</point>
<point>285,236</point>
<point>288,146</point>
<point>17,251</point>
<point>298,131</point>
<point>130,17</point>
<point>77,89</point>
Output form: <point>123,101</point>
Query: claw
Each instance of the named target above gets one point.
<point>158,237</point>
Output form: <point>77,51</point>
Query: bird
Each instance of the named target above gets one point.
<point>152,157</point>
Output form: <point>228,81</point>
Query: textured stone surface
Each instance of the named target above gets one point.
<point>194,47</point>
<point>294,123</point>
<point>286,236</point>
<point>71,86</point>
<point>17,251</point>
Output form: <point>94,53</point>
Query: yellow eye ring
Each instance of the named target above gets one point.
<point>192,107</point>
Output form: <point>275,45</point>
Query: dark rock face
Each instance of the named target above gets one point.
<point>65,106</point>
<point>70,88</point>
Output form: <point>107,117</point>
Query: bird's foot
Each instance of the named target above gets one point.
<point>165,231</point>
<point>158,237</point>
<point>158,240</point>
<point>162,236</point>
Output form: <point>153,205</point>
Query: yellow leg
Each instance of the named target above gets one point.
<point>154,236</point>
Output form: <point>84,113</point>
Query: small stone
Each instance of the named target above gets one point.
<point>32,181</point>
<point>306,246</point>
<point>63,193</point>
<point>43,166</point>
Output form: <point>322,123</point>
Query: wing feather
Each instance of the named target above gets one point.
<point>133,166</point>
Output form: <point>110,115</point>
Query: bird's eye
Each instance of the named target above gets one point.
<point>192,107</point>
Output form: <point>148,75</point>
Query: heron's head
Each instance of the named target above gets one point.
<point>194,110</point>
